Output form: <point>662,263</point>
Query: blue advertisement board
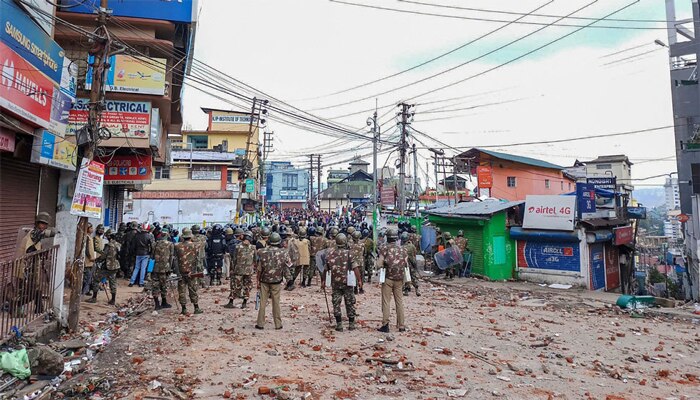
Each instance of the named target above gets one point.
<point>27,39</point>
<point>597,266</point>
<point>585,196</point>
<point>560,256</point>
<point>168,10</point>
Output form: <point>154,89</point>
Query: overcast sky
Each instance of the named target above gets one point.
<point>301,51</point>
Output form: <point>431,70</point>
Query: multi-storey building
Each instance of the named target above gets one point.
<point>286,186</point>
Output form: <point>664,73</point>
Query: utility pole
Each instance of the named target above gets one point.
<point>318,178</point>
<point>99,67</point>
<point>415,178</point>
<point>436,153</point>
<point>311,177</point>
<point>267,149</point>
<point>454,179</point>
<point>247,165</point>
<point>402,158</point>
<point>375,139</point>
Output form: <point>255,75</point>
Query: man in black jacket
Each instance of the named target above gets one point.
<point>142,247</point>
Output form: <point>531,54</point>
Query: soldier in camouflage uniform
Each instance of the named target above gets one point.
<point>339,261</point>
<point>316,244</point>
<point>164,255</point>
<point>201,241</point>
<point>242,270</point>
<point>451,271</point>
<point>303,256</point>
<point>273,268</point>
<point>407,244</point>
<point>463,244</point>
<point>108,269</point>
<point>394,259</point>
<point>357,248</point>
<point>369,249</point>
<point>188,260</point>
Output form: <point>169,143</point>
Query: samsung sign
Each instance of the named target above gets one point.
<point>231,119</point>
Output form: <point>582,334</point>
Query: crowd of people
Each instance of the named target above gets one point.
<point>286,250</point>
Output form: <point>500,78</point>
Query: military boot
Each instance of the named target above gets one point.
<point>352,326</point>
<point>244,304</point>
<point>384,328</point>
<point>184,310</point>
<point>303,282</point>
<point>417,292</point>
<point>112,299</point>
<point>157,303</point>
<point>339,324</point>
<point>92,299</point>
<point>229,304</point>
<point>197,310</point>
<point>164,303</point>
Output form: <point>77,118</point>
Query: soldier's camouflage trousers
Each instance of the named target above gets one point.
<point>369,263</point>
<point>189,284</point>
<point>159,284</point>
<point>311,271</point>
<point>241,286</point>
<point>340,293</point>
<point>414,279</point>
<point>302,270</point>
<point>111,277</point>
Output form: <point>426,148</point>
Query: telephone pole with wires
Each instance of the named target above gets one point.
<point>372,121</point>
<point>318,179</point>
<point>100,51</point>
<point>406,117</point>
<point>247,165</point>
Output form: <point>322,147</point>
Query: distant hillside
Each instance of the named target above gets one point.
<point>650,196</point>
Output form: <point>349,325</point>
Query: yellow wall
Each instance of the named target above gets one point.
<point>179,180</point>
<point>236,140</point>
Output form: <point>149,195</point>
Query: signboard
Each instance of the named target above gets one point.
<point>484,177</point>
<point>87,198</point>
<point>128,170</point>
<point>130,119</point>
<point>585,195</point>
<point>156,131</point>
<point>683,218</point>
<point>130,74</point>
<point>603,183</point>
<point>250,185</point>
<point>168,10</point>
<point>597,264</point>
<point>387,196</point>
<point>623,235</point>
<point>7,141</point>
<point>637,212</point>
<point>24,37</point>
<point>292,193</point>
<point>205,173</point>
<point>549,255</point>
<point>231,119</point>
<point>48,149</point>
<point>549,212</point>
<point>612,267</point>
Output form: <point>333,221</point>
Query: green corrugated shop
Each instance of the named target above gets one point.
<point>485,227</point>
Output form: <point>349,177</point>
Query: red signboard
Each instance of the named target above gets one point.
<point>24,90</point>
<point>683,218</point>
<point>127,170</point>
<point>623,235</point>
<point>484,177</point>
<point>387,196</point>
<point>612,267</point>
<point>7,140</point>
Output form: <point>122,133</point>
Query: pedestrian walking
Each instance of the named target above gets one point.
<point>345,276</point>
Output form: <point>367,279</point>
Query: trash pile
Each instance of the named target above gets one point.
<point>38,371</point>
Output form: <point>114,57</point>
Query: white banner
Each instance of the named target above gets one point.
<point>550,212</point>
<point>87,198</point>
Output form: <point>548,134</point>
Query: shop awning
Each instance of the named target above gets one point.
<point>535,235</point>
<point>599,236</point>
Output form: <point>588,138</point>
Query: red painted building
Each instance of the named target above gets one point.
<point>511,177</point>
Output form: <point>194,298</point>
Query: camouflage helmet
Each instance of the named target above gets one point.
<point>320,231</point>
<point>248,235</point>
<point>43,217</point>
<point>404,236</point>
<point>186,233</point>
<point>334,232</point>
<point>460,233</point>
<point>448,236</point>
<point>196,228</point>
<point>392,235</point>
<point>266,233</point>
<point>350,230</point>
<point>356,235</point>
<point>108,233</point>
<point>275,239</point>
<point>228,231</point>
<point>238,231</point>
<point>302,232</point>
<point>341,240</point>
<point>100,228</point>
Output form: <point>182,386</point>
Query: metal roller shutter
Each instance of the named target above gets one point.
<point>475,236</point>
<point>19,191</point>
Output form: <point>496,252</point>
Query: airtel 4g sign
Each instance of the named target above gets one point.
<point>550,212</point>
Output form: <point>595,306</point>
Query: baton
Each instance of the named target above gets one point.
<point>325,296</point>
<point>257,300</point>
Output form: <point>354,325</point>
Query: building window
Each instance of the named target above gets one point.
<point>162,173</point>
<point>511,181</point>
<point>695,177</point>
<point>562,185</point>
<point>546,184</point>
<point>198,141</point>
<point>603,166</point>
<point>290,181</point>
<point>569,185</point>
<point>229,176</point>
<point>205,173</point>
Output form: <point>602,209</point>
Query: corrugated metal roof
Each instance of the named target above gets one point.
<point>475,208</point>
<point>520,159</point>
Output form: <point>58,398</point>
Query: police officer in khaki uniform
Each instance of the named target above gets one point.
<point>273,268</point>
